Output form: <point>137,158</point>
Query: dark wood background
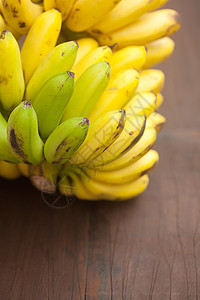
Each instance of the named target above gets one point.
<point>147,248</point>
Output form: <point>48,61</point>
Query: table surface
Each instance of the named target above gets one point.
<point>146,248</point>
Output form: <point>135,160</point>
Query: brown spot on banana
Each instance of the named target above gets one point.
<point>135,140</point>
<point>22,24</point>
<point>3,34</point>
<point>15,12</point>
<point>16,144</point>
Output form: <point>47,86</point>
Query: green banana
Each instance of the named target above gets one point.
<point>87,90</point>
<point>51,101</point>
<point>65,140</point>
<point>11,75</point>
<point>5,151</point>
<point>23,135</point>
<point>60,59</point>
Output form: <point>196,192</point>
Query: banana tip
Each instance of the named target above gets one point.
<point>76,43</point>
<point>27,104</point>
<point>3,34</point>
<point>57,9</point>
<point>114,46</point>
<point>86,121</point>
<point>71,74</point>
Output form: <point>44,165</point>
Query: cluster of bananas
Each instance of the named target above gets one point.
<point>82,116</point>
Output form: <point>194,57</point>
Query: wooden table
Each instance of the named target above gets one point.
<point>147,248</point>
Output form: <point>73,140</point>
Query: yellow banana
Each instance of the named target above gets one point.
<point>159,3</point>
<point>158,50</point>
<point>60,59</point>
<point>11,75</point>
<point>148,28</point>
<point>151,81</point>
<point>129,173</point>
<point>5,26</point>
<point>159,102</point>
<point>20,15</point>
<point>63,6</point>
<point>70,184</point>
<point>127,58</point>
<point>66,186</point>
<point>141,104</point>
<point>140,149</point>
<point>81,191</point>
<point>131,134</point>
<point>124,13</point>
<point>9,170</point>
<point>40,40</point>
<point>155,120</point>
<point>101,134</point>
<point>120,89</point>
<point>97,55</point>
<point>23,168</point>
<point>5,151</point>
<point>2,24</point>
<point>85,14</point>
<point>113,192</point>
<point>86,45</point>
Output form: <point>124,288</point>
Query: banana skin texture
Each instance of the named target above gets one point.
<point>23,135</point>
<point>65,140</point>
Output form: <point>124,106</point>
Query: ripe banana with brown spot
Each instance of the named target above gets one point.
<point>140,149</point>
<point>62,5</point>
<point>11,75</point>
<point>85,14</point>
<point>5,151</point>
<point>102,133</point>
<point>128,173</point>
<point>123,14</point>
<point>148,28</point>
<point>131,134</point>
<point>40,40</point>
<point>65,140</point>
<point>20,15</point>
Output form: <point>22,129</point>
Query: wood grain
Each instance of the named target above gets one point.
<point>146,248</point>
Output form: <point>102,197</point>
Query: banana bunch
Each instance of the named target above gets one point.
<point>81,116</point>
